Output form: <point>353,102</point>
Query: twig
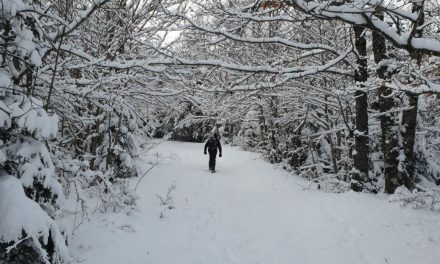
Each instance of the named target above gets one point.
<point>154,165</point>
<point>8,249</point>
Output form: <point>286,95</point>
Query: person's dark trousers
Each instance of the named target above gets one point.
<point>212,156</point>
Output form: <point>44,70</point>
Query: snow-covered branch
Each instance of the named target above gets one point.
<point>365,13</point>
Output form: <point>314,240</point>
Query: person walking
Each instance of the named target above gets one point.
<point>212,145</point>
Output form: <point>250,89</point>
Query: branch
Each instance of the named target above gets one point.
<point>82,17</point>
<point>364,14</point>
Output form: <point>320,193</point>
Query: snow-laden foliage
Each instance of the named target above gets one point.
<point>27,233</point>
<point>27,179</point>
<point>343,93</point>
<point>416,199</point>
<point>336,101</point>
<point>23,153</point>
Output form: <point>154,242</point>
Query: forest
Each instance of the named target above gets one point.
<point>341,93</point>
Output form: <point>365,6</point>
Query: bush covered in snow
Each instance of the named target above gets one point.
<point>417,199</point>
<point>29,192</point>
<point>27,233</point>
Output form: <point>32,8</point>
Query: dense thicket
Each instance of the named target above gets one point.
<point>75,92</point>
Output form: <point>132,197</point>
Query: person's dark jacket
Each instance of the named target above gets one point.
<point>212,145</point>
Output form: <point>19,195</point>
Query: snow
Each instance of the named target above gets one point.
<point>9,8</point>
<point>36,58</point>
<point>426,43</point>
<point>31,117</point>
<point>2,157</point>
<point>250,212</point>
<point>11,195</point>
<point>362,12</point>
<point>5,82</point>
<point>25,42</point>
<point>19,209</point>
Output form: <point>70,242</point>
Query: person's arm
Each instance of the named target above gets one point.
<point>206,146</point>
<point>219,147</point>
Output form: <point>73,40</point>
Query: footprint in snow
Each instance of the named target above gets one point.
<point>127,228</point>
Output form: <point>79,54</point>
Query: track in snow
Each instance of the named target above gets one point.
<point>247,213</point>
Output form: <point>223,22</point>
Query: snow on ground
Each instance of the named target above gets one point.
<point>250,212</point>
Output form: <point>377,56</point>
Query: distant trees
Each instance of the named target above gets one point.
<point>334,85</point>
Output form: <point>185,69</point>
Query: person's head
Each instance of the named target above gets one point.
<point>215,136</point>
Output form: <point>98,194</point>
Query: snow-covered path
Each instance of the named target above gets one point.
<point>248,213</point>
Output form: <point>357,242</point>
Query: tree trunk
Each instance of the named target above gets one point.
<point>390,146</point>
<point>273,149</point>
<point>360,157</point>
<point>409,123</point>
<point>263,126</point>
<point>409,117</point>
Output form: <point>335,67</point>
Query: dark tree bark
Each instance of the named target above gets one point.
<point>390,147</point>
<point>329,138</point>
<point>273,148</point>
<point>409,123</point>
<point>409,117</point>
<point>360,158</point>
<point>263,126</point>
<point>297,154</point>
<point>390,144</point>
